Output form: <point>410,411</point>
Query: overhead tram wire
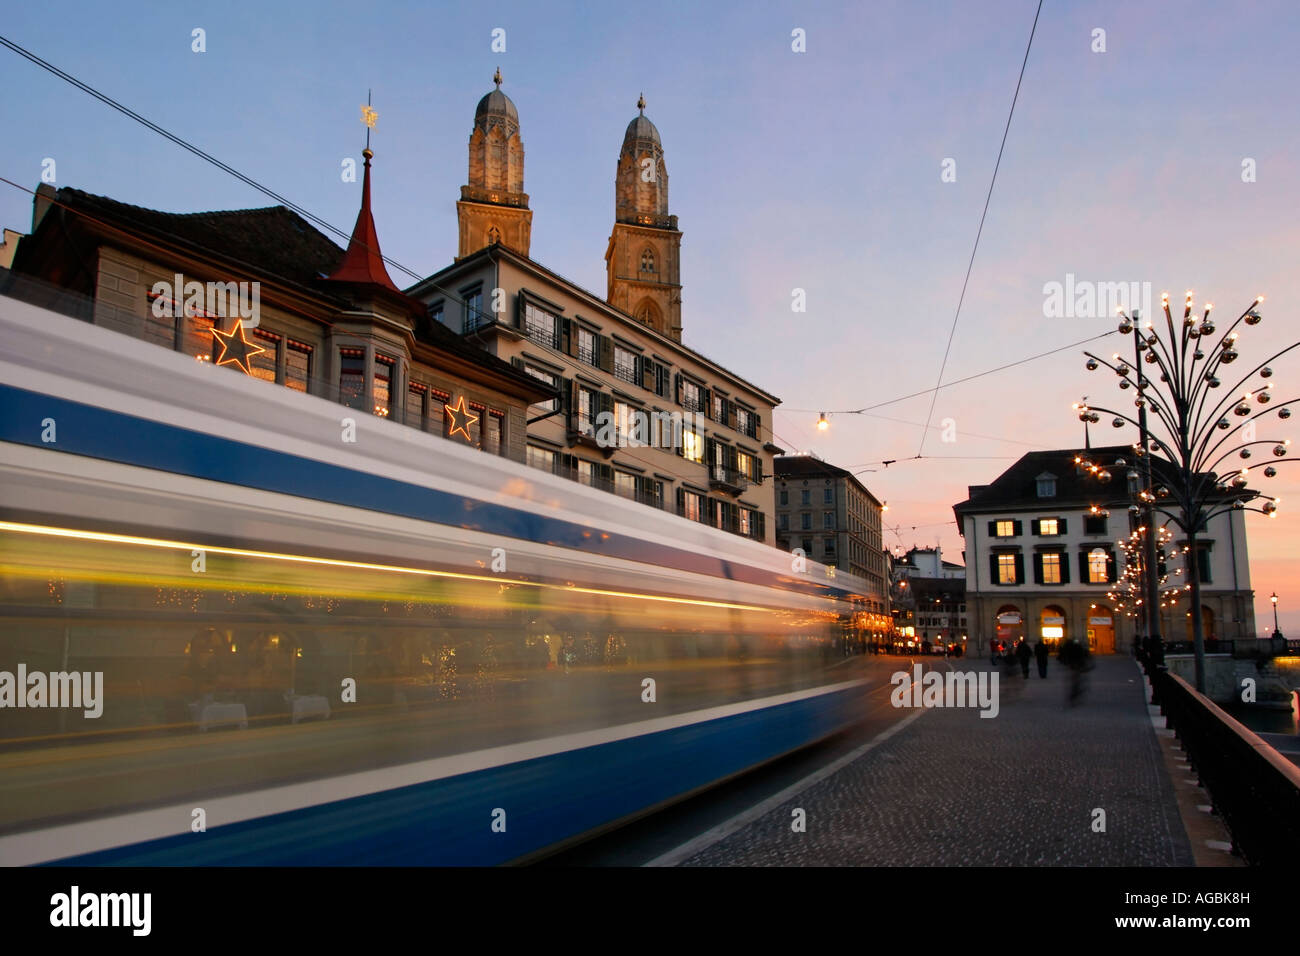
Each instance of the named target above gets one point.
<point>960,381</point>
<point>971,265</point>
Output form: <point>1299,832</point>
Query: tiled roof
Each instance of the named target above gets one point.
<point>1018,485</point>
<point>273,241</point>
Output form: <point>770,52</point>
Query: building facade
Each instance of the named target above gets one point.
<point>1045,551</point>
<point>825,512</point>
<point>263,293</point>
<point>635,412</point>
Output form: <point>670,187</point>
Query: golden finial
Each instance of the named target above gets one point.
<point>640,103</point>
<point>497,78</point>
<point>368,116</point>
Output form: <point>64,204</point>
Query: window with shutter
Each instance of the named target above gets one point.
<point>1064,563</point>
<point>1016,528</point>
<point>1060,524</point>
<point>1020,567</point>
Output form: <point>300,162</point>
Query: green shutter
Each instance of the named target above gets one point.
<point>993,569</point>
<point>1038,568</point>
<point>1065,568</point>
<point>1060,525</point>
<point>1110,567</point>
<point>1035,528</point>
<point>1084,576</point>
<point>1020,568</point>
<point>993,529</point>
<point>1017,528</point>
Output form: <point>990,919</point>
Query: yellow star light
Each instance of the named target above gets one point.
<point>236,351</point>
<point>368,116</point>
<point>457,413</point>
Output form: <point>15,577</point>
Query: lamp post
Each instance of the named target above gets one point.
<point>1277,632</point>
<point>1191,451</point>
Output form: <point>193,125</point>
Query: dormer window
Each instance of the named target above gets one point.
<point>1046,485</point>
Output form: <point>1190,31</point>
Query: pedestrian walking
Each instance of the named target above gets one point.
<point>1025,655</point>
<point>1041,652</point>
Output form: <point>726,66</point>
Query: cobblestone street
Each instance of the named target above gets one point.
<point>1020,789</point>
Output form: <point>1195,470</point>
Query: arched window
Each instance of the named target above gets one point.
<point>647,261</point>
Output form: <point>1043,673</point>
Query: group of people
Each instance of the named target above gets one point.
<point>1073,654</point>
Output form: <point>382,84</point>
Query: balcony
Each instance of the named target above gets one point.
<point>728,480</point>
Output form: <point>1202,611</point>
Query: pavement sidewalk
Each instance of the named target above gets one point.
<point>1021,789</point>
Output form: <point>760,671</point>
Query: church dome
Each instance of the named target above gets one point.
<point>496,106</point>
<point>640,131</point>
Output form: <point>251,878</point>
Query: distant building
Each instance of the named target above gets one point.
<point>1041,562</point>
<point>828,514</point>
<point>932,596</point>
<point>929,563</point>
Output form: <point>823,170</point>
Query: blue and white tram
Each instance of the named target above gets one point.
<point>309,650</point>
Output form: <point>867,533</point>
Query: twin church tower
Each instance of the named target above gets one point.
<point>643,259</point>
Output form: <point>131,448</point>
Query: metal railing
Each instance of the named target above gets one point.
<point>1252,787</point>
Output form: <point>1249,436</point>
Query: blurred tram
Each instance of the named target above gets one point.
<point>386,650</point>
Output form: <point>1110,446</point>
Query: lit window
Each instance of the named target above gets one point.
<point>1006,529</point>
<point>1048,526</point>
<point>692,445</point>
<point>1051,568</point>
<point>382,390</point>
<point>297,365</point>
<point>352,377</point>
<point>263,363</point>
<point>1098,570</point>
<point>1006,569</point>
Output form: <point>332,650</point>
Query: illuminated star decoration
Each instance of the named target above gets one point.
<point>235,347</point>
<point>457,413</point>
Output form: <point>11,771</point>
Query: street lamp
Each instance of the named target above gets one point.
<point>1276,631</point>
<point>1186,442</point>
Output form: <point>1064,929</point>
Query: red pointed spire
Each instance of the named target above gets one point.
<point>363,262</point>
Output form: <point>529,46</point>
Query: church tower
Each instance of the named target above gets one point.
<point>493,207</point>
<point>643,260</point>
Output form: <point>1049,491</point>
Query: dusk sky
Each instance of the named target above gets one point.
<point>818,170</point>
